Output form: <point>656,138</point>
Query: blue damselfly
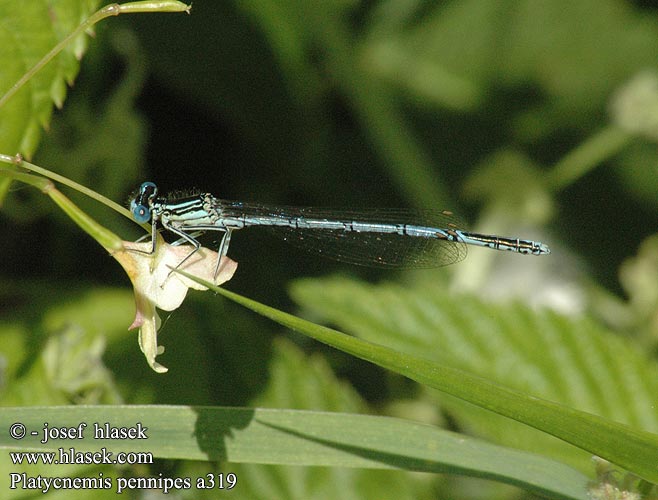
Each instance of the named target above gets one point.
<point>370,237</point>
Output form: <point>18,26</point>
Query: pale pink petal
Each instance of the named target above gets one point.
<point>156,286</point>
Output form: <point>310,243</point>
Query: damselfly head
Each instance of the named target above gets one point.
<point>140,205</point>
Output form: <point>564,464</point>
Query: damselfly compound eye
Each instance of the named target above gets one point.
<point>140,213</point>
<point>140,207</point>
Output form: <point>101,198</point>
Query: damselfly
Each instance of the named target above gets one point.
<point>370,237</point>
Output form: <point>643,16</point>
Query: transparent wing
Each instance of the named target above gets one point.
<point>373,249</point>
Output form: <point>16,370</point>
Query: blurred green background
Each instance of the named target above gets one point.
<point>526,118</point>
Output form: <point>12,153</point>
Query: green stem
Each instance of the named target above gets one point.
<point>102,235</point>
<point>32,180</point>
<point>598,148</point>
<point>18,161</point>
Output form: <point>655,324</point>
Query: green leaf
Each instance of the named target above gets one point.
<point>67,368</point>
<point>58,358</point>
<point>100,143</point>
<point>634,449</point>
<point>41,44</point>
<point>306,382</point>
<point>571,361</point>
<point>29,31</point>
<point>296,437</point>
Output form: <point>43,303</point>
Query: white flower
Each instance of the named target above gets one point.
<point>157,287</point>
